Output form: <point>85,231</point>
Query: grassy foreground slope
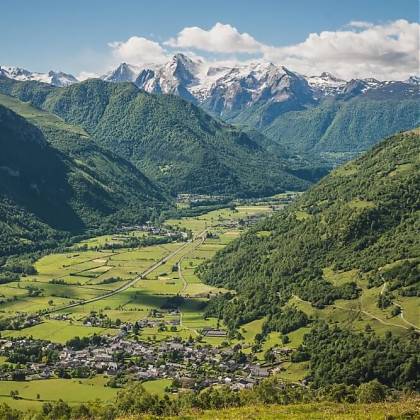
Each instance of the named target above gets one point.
<point>362,218</point>
<point>321,411</point>
<point>170,140</point>
<point>54,178</point>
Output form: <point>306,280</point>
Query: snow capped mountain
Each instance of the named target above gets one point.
<point>255,83</point>
<point>177,76</point>
<point>226,90</point>
<point>59,79</point>
<point>326,84</point>
<point>123,73</point>
<point>413,80</point>
<point>221,89</point>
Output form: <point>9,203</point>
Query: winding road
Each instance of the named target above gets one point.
<point>401,308</point>
<point>371,315</point>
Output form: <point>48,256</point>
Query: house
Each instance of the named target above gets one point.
<point>259,372</point>
<point>214,332</point>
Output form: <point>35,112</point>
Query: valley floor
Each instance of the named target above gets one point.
<point>71,286</point>
<point>72,295</point>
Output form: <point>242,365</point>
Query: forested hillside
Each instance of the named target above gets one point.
<point>55,179</point>
<point>337,126</point>
<point>170,140</point>
<point>361,219</point>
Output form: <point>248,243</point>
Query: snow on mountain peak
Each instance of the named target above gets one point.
<point>59,79</point>
<point>224,87</point>
<point>326,84</point>
<point>413,80</point>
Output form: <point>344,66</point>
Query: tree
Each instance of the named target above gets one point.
<point>269,356</point>
<point>14,394</point>
<point>9,413</point>
<point>371,392</point>
<point>285,339</point>
<point>136,400</point>
<point>396,310</point>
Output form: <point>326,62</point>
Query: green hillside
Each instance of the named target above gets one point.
<point>172,141</point>
<point>338,128</point>
<point>344,259</point>
<point>55,179</point>
<point>344,126</point>
<point>362,220</point>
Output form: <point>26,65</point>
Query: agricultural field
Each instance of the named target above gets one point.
<point>123,285</point>
<point>33,393</point>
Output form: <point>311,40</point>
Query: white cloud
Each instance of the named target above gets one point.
<point>361,49</point>
<point>138,50</point>
<point>359,24</point>
<point>84,75</point>
<point>220,38</point>
<point>385,51</point>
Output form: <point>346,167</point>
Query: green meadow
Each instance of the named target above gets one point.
<point>82,273</point>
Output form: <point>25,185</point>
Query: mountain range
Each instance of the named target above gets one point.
<point>122,148</point>
<point>227,89</point>
<point>322,115</point>
<point>172,141</point>
<point>52,77</point>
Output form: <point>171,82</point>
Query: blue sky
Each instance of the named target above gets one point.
<point>74,36</point>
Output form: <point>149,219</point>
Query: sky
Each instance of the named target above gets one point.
<point>350,38</point>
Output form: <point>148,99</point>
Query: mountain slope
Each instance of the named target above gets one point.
<point>364,216</point>
<point>316,115</point>
<point>339,125</point>
<point>61,181</point>
<point>170,140</point>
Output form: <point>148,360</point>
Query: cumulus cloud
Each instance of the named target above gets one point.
<point>385,51</point>
<point>84,75</point>
<point>360,49</point>
<point>220,38</point>
<point>359,24</point>
<point>138,50</point>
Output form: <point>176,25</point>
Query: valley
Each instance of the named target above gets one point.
<point>95,289</point>
<point>151,296</point>
<point>209,210</point>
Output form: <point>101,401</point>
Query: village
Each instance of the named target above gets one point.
<point>188,363</point>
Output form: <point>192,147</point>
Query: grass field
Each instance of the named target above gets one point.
<point>58,331</point>
<point>409,409</point>
<point>71,390</point>
<point>84,271</point>
<point>81,274</point>
<point>157,387</point>
<point>32,394</point>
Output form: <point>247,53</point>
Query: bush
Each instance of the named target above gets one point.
<point>371,392</point>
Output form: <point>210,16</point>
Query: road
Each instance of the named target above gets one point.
<point>401,308</point>
<point>181,276</point>
<point>369,315</point>
<point>199,237</point>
